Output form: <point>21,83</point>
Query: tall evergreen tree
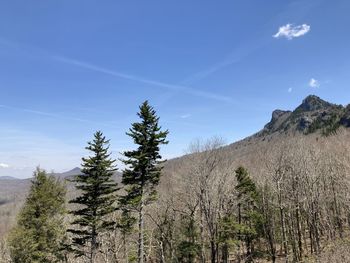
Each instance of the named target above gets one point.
<point>189,247</point>
<point>249,216</point>
<point>125,225</point>
<point>39,232</point>
<point>97,199</point>
<point>227,230</point>
<point>143,166</point>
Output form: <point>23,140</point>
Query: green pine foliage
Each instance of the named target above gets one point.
<point>39,232</point>
<point>228,231</point>
<point>144,170</point>
<point>97,198</point>
<point>143,164</point>
<point>250,220</point>
<point>125,225</point>
<point>326,126</point>
<point>245,187</point>
<point>189,246</point>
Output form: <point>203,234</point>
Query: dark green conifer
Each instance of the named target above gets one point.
<point>143,166</point>
<point>189,247</point>
<point>96,200</point>
<point>228,233</point>
<point>125,225</point>
<point>249,216</point>
<point>39,232</point>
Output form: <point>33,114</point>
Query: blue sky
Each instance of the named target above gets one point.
<point>69,68</point>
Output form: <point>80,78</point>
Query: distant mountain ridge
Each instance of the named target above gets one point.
<point>69,174</point>
<point>63,176</point>
<point>312,115</point>
<point>8,178</point>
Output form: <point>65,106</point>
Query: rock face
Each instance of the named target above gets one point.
<point>277,114</point>
<point>277,120</point>
<point>313,114</point>
<point>313,103</point>
<point>304,123</point>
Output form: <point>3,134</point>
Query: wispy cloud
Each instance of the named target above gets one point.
<point>185,116</point>
<point>234,57</point>
<point>211,70</point>
<point>290,31</point>
<point>52,115</point>
<point>313,83</point>
<point>114,73</point>
<point>290,90</point>
<point>30,50</point>
<point>4,165</point>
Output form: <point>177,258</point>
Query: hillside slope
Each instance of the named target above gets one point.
<point>314,121</point>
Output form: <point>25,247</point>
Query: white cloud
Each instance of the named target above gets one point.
<point>290,89</point>
<point>4,165</point>
<point>290,31</point>
<point>313,83</point>
<point>185,116</point>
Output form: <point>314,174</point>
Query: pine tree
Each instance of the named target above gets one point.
<point>227,230</point>
<point>97,199</point>
<point>125,225</point>
<point>249,216</point>
<point>143,166</point>
<point>39,232</point>
<point>189,247</point>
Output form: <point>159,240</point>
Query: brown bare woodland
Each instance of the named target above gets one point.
<point>303,184</point>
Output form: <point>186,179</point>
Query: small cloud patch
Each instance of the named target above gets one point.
<point>313,83</point>
<point>4,165</point>
<point>185,116</point>
<point>290,31</point>
<point>290,90</point>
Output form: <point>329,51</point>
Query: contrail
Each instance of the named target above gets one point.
<point>234,57</point>
<point>114,73</point>
<point>118,74</point>
<point>52,115</point>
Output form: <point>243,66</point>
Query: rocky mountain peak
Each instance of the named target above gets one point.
<point>312,103</point>
<point>313,114</point>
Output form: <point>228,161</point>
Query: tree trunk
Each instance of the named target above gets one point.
<point>217,253</point>
<point>284,242</point>
<point>213,251</point>
<point>337,212</point>
<point>269,228</point>
<point>225,253</point>
<point>283,226</point>
<point>141,227</point>
<point>202,237</point>
<point>93,246</point>
<point>239,232</point>
<point>126,258</point>
<point>300,245</point>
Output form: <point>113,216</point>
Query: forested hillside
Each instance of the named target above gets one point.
<point>280,195</point>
